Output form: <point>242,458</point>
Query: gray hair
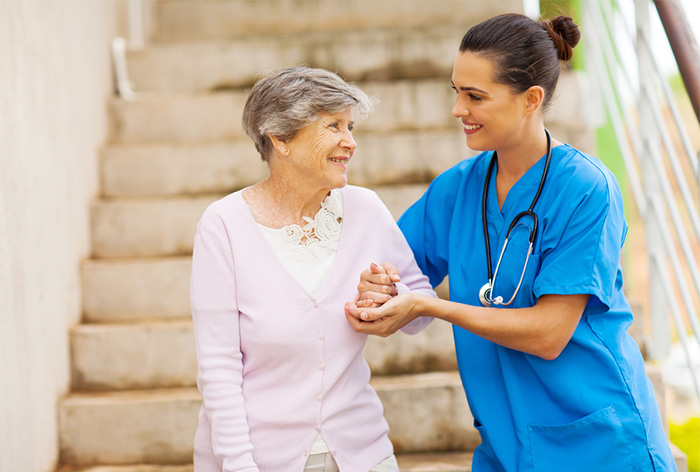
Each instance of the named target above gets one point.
<point>284,101</point>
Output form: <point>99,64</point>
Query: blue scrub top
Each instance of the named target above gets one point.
<point>593,407</point>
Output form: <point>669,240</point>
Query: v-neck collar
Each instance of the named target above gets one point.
<point>267,249</point>
<point>519,197</point>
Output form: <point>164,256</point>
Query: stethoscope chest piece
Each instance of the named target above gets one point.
<point>485,294</point>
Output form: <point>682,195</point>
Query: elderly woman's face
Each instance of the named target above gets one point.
<point>321,150</point>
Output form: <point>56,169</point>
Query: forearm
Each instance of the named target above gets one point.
<point>542,330</point>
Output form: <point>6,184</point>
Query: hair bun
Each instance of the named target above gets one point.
<point>565,34</point>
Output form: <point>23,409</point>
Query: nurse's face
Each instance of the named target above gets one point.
<point>490,112</point>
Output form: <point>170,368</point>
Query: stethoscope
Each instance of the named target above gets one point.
<point>485,291</point>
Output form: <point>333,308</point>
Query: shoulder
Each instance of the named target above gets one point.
<point>363,204</point>
<point>362,197</point>
<point>471,166</point>
<point>220,214</point>
<point>359,194</point>
<point>467,175</point>
<point>577,173</point>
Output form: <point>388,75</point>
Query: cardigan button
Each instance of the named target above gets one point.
<point>316,305</point>
<point>321,336</point>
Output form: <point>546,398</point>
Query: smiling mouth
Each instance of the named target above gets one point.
<point>340,160</point>
<point>472,127</point>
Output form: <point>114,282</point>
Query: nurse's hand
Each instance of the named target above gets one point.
<point>386,319</point>
<point>377,285</point>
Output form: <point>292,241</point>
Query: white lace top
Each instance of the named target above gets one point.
<point>307,253</point>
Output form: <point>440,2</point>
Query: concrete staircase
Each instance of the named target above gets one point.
<point>179,146</point>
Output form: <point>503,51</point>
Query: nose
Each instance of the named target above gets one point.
<point>348,141</point>
<point>460,108</point>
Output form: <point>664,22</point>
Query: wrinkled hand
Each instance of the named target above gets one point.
<point>377,285</point>
<point>385,319</point>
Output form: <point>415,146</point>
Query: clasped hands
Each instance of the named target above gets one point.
<point>378,308</point>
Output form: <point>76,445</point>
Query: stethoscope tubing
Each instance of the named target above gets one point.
<point>485,292</point>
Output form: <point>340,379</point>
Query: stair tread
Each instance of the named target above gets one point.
<point>380,383</point>
<point>215,19</point>
<point>408,462</point>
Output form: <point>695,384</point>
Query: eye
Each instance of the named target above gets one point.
<point>335,126</point>
<point>454,88</point>
<point>473,97</point>
<point>351,127</point>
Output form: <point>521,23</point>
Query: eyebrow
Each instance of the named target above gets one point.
<point>470,89</point>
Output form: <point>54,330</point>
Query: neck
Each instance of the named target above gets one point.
<point>278,201</point>
<point>514,161</point>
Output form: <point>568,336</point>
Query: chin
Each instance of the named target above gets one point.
<point>477,144</point>
<point>339,183</point>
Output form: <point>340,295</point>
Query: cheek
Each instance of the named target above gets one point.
<point>320,147</point>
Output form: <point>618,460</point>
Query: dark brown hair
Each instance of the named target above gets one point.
<point>524,52</point>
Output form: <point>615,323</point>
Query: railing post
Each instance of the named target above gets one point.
<point>658,313</point>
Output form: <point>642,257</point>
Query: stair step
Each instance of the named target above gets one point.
<point>214,19</point>
<point>128,468</point>
<point>165,170</point>
<point>356,55</point>
<point>404,106</point>
<point>414,462</point>
<point>136,289</point>
<point>161,354</point>
<point>155,426</point>
<point>166,226</point>
<point>426,412</point>
<point>407,105</point>
<point>435,462</point>
<point>146,227</point>
<point>133,356</point>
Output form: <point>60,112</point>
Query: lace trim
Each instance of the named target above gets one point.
<point>321,232</point>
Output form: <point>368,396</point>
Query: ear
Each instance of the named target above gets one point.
<point>534,97</point>
<point>279,145</point>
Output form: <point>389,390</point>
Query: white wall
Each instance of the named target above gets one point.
<point>55,78</point>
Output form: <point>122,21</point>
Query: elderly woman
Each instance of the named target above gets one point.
<point>281,372</point>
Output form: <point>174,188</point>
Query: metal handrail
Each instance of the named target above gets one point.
<point>684,46</point>
<point>645,164</point>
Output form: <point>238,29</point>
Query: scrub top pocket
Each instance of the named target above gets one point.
<point>596,442</point>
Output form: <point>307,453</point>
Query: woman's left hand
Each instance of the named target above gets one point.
<point>386,319</point>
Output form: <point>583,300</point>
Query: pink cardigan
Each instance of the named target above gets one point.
<point>276,364</point>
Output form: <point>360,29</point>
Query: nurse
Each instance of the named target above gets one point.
<point>553,380</point>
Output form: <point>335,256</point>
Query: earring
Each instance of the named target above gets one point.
<point>286,150</point>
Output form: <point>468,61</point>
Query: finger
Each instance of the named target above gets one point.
<point>376,269</point>
<point>365,303</point>
<point>364,327</point>
<point>354,322</point>
<point>391,271</point>
<point>368,280</point>
<point>375,297</point>
<point>352,310</point>
<point>387,287</point>
<point>369,314</point>
<point>368,303</point>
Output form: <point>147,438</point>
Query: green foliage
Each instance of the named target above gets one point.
<point>687,438</point>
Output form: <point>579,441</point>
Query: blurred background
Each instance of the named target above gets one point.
<point>120,123</point>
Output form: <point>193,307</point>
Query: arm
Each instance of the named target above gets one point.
<point>425,227</point>
<point>542,330</point>
<point>395,248</point>
<point>219,358</point>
